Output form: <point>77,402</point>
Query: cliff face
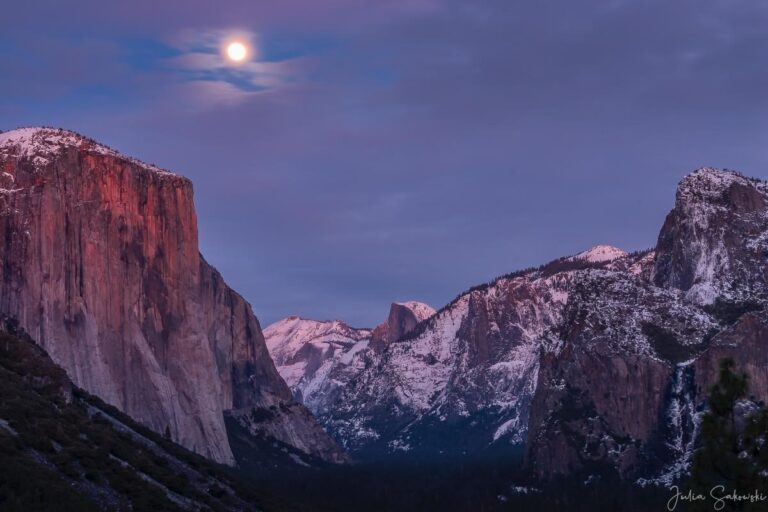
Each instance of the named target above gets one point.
<point>604,385</point>
<point>55,435</point>
<point>625,381</point>
<point>100,265</point>
<point>402,319</point>
<point>713,243</point>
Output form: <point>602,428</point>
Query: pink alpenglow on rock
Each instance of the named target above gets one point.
<point>101,266</point>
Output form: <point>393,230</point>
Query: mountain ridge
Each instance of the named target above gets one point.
<point>521,362</point>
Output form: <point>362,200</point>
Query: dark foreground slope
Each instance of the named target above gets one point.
<point>63,449</point>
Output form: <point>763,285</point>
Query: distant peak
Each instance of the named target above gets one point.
<point>600,253</point>
<point>420,310</point>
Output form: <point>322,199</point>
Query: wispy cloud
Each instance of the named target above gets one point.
<point>213,79</point>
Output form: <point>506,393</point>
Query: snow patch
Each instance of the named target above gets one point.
<point>42,145</point>
<point>600,253</point>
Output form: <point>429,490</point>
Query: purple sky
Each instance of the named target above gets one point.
<point>377,151</point>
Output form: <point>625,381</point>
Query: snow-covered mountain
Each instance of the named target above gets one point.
<point>464,379</point>
<point>300,347</point>
<point>601,358</point>
<point>424,379</point>
<point>316,357</point>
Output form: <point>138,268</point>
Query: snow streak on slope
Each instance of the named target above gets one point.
<point>300,347</point>
<point>475,361</point>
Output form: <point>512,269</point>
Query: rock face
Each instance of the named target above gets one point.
<point>36,395</point>
<point>100,265</point>
<point>713,243</point>
<point>624,381</point>
<point>598,360</point>
<point>605,376</point>
<point>745,342</point>
<point>403,318</point>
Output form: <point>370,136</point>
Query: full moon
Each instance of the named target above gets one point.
<point>237,51</point>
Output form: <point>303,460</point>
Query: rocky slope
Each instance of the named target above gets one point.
<point>598,360</point>
<point>63,449</point>
<point>100,265</point>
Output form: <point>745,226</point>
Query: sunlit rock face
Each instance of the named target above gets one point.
<point>402,320</point>
<point>100,265</point>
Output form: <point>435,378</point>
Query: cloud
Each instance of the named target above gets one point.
<point>207,71</point>
<point>205,94</point>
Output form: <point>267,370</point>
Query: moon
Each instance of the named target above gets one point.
<point>237,51</point>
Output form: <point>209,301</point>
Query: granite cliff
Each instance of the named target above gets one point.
<point>101,266</point>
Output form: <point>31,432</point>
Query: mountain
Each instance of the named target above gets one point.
<point>593,362</point>
<point>631,364</point>
<point>318,358</point>
<point>299,347</point>
<point>101,266</point>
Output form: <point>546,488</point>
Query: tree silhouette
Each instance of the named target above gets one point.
<point>733,452</point>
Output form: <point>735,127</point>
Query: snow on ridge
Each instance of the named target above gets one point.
<point>295,332</point>
<point>42,143</point>
<point>297,345</point>
<point>600,253</point>
<point>708,183</point>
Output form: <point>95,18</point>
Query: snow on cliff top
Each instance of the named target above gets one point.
<point>708,183</point>
<point>41,143</point>
<point>600,253</point>
<point>420,310</point>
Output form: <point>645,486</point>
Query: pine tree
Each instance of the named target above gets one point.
<point>733,451</point>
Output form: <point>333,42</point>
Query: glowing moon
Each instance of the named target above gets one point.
<point>236,51</point>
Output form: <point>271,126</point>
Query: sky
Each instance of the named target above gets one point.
<point>370,152</point>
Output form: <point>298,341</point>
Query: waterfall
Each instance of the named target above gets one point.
<point>683,423</point>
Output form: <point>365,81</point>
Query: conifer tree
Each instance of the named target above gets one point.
<point>733,451</point>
